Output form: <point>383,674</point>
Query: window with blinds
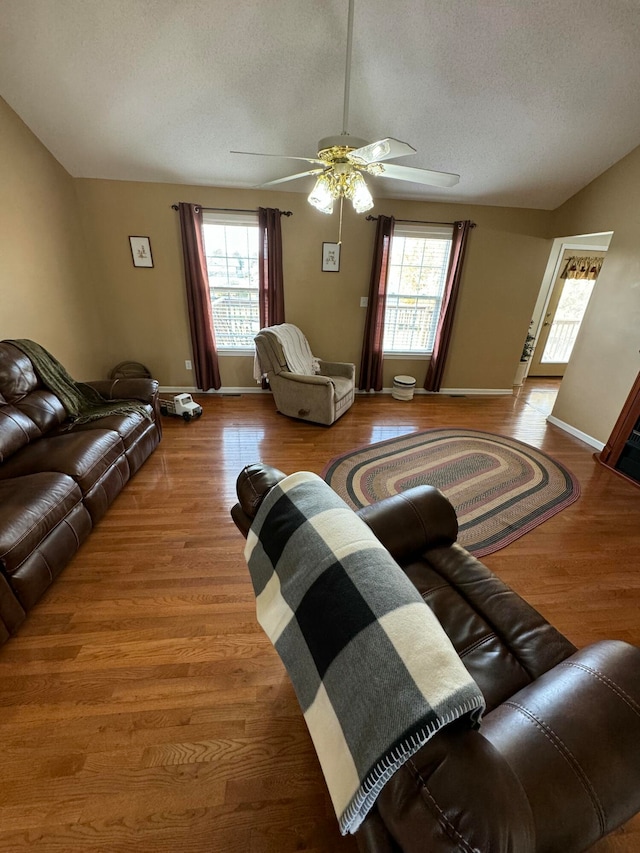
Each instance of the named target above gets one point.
<point>231,249</point>
<point>415,285</point>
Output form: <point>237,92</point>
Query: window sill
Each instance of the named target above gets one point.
<point>415,356</point>
<point>237,352</point>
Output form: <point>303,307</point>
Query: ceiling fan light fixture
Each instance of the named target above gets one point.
<point>343,157</point>
<point>361,198</point>
<point>322,195</point>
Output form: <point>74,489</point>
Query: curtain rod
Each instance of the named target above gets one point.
<point>232,210</point>
<point>418,221</point>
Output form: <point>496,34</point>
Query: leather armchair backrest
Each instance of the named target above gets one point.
<point>503,641</point>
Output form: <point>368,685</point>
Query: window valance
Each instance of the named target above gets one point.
<point>585,268</point>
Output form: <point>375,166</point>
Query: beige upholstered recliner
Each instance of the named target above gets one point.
<point>303,386</point>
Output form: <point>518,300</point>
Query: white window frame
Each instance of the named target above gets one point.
<point>395,293</point>
<point>233,219</point>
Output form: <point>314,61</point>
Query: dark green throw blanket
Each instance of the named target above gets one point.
<point>81,402</point>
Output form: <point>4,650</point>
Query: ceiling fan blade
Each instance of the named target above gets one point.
<point>292,177</point>
<point>285,156</point>
<point>418,176</point>
<point>383,149</point>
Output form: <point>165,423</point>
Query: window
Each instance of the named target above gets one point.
<point>415,284</point>
<point>566,321</point>
<point>231,249</point>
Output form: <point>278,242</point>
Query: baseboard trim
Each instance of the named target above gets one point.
<point>477,392</point>
<point>576,433</point>
<point>221,392</point>
<point>242,389</point>
<point>452,392</point>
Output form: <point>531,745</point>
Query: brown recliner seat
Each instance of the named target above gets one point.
<point>556,763</point>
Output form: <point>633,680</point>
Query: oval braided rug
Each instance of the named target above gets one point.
<point>500,487</point>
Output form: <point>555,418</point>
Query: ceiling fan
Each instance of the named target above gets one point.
<point>342,160</point>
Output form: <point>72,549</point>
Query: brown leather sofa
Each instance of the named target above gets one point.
<point>555,764</point>
<point>58,480</point>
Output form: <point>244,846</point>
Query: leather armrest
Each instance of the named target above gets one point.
<point>253,483</point>
<point>145,390</point>
<point>412,521</point>
<point>457,793</point>
<point>572,737</point>
<point>373,836</point>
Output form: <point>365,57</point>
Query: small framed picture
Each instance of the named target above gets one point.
<point>141,251</point>
<point>331,257</point>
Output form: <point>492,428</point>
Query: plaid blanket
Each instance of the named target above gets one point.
<point>373,670</point>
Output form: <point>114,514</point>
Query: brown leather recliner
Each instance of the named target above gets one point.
<point>555,764</point>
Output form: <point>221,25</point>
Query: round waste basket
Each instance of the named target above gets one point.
<point>403,387</point>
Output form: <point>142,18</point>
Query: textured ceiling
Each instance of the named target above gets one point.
<point>527,101</point>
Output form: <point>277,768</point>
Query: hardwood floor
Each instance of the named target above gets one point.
<point>143,709</point>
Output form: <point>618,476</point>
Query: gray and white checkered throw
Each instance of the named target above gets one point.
<point>373,670</point>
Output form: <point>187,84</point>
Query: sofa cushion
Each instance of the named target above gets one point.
<point>85,456</point>
<point>17,376</point>
<point>44,409</point>
<point>16,430</point>
<point>139,436</point>
<point>130,427</point>
<point>30,508</point>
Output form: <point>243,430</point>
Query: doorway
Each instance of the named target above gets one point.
<point>562,318</point>
<point>548,306</point>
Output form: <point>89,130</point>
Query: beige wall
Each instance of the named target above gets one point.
<point>605,360</point>
<point>67,279</point>
<point>145,309</point>
<point>46,287</point>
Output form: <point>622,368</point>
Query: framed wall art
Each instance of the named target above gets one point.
<point>331,257</point>
<point>141,251</point>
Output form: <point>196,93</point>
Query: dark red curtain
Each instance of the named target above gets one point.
<point>436,367</point>
<point>271,293</point>
<point>203,340</point>
<point>372,354</point>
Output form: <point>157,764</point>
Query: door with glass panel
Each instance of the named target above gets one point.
<point>565,310</point>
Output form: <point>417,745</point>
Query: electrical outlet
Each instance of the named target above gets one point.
<point>187,364</point>
<point>364,301</point>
